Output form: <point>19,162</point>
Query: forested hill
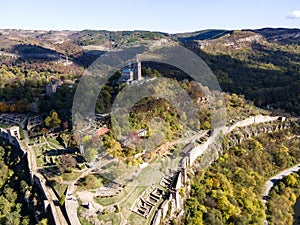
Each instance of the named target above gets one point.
<point>264,64</point>
<point>261,64</point>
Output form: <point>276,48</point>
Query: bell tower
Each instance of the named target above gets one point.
<point>137,69</point>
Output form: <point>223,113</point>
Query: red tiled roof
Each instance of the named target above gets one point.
<point>102,130</point>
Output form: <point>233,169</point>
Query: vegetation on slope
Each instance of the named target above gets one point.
<point>13,185</point>
<point>282,198</point>
<point>264,70</point>
<point>229,192</point>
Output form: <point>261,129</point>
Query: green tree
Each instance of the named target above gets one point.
<point>52,121</point>
<point>90,154</point>
<point>44,222</point>
<point>64,137</point>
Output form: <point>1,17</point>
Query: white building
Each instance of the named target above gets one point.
<point>52,87</point>
<point>10,133</point>
<point>142,133</point>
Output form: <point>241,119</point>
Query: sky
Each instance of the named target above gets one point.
<point>170,16</point>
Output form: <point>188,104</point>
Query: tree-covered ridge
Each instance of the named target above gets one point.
<point>230,190</point>
<point>93,37</point>
<point>14,183</point>
<point>261,64</point>
<point>35,73</point>
<point>201,35</point>
<point>24,82</point>
<point>141,115</point>
<point>264,70</point>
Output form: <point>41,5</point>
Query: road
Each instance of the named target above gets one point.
<point>270,183</point>
<point>273,180</point>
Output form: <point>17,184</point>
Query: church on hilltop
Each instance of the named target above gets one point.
<point>132,72</point>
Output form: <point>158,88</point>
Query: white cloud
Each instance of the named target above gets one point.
<point>294,15</point>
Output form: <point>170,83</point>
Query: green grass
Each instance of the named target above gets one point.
<point>113,217</point>
<point>92,181</point>
<point>106,201</point>
<point>54,142</point>
<point>39,156</point>
<point>136,219</point>
<point>84,221</point>
<point>130,199</point>
<point>113,200</point>
<point>41,139</point>
<point>31,141</point>
<point>109,165</point>
<point>21,133</point>
<point>70,176</point>
<point>5,125</point>
<point>60,188</point>
<point>131,193</point>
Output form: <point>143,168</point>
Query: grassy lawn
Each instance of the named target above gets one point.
<point>39,156</point>
<point>92,181</point>
<point>60,188</point>
<point>131,193</point>
<point>21,133</point>
<point>106,201</point>
<point>150,176</point>
<point>31,141</point>
<point>125,195</point>
<point>5,125</point>
<point>109,165</point>
<point>70,176</point>
<point>131,196</point>
<point>54,142</point>
<point>113,200</point>
<point>113,217</point>
<point>41,140</point>
<point>84,221</point>
<point>136,219</point>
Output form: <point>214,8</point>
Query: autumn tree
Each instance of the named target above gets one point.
<point>4,107</point>
<point>52,121</point>
<point>64,138</point>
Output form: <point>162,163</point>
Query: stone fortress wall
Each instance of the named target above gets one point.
<point>210,149</point>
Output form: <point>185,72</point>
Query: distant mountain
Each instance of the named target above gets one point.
<point>262,64</point>
<point>281,35</point>
<point>201,35</point>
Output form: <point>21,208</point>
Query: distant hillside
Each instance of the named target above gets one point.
<point>280,35</point>
<point>201,35</point>
<point>262,64</point>
<point>83,47</point>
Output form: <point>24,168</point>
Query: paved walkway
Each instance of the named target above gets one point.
<point>273,180</point>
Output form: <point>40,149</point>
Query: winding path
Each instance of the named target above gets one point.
<point>273,180</point>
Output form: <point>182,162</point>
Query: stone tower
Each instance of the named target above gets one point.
<point>137,68</point>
